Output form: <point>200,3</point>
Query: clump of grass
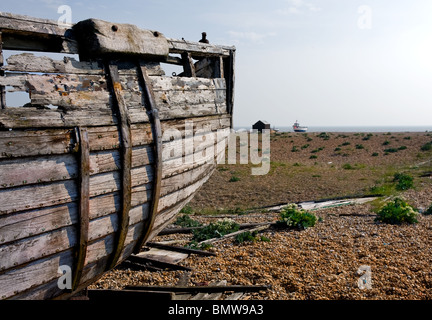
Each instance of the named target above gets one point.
<point>397,212</point>
<point>234,179</point>
<point>187,209</point>
<point>391,150</point>
<point>386,143</point>
<point>426,147</point>
<point>294,149</point>
<point>347,166</point>
<point>375,154</point>
<point>428,211</point>
<point>324,135</point>
<point>337,149</point>
<point>359,146</point>
<point>186,221</point>
<point>313,157</point>
<point>317,150</point>
<point>404,181</point>
<point>248,236</point>
<point>294,217</point>
<point>346,144</point>
<point>215,230</point>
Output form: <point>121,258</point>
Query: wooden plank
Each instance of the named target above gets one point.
<point>126,151</point>
<point>233,234</point>
<point>17,143</point>
<point>180,249</point>
<point>100,38</point>
<point>149,100</point>
<point>188,65</point>
<point>31,223</point>
<point>28,62</point>
<point>2,88</point>
<point>157,263</point>
<point>21,172</point>
<point>197,48</point>
<point>162,255</point>
<point>84,205</point>
<point>39,196</point>
<point>80,99</point>
<point>34,34</point>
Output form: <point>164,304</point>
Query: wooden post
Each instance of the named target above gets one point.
<point>84,204</point>
<point>230,79</point>
<point>2,88</point>
<point>150,104</point>
<point>126,152</point>
<point>188,65</point>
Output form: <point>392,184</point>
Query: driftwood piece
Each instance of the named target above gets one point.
<point>163,255</point>
<point>180,249</point>
<point>233,234</point>
<point>158,263</point>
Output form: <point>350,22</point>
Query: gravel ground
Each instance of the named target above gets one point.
<point>319,263</point>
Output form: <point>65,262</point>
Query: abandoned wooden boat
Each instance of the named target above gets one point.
<point>91,168</point>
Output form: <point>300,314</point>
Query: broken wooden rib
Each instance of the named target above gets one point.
<point>87,175</point>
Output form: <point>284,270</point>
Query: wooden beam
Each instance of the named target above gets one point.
<point>231,235</point>
<point>126,181</point>
<point>188,65</point>
<point>28,33</point>
<point>2,88</point>
<point>84,204</point>
<point>180,249</point>
<point>198,48</point>
<point>157,263</point>
<point>153,112</point>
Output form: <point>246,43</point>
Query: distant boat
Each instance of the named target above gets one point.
<point>298,128</point>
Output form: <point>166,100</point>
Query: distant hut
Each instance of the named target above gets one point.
<point>261,125</point>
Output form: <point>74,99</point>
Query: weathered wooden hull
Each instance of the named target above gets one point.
<point>89,169</point>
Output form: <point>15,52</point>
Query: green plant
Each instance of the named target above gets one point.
<point>313,157</point>
<point>346,143</point>
<point>426,147</point>
<point>402,148</point>
<point>391,150</point>
<point>187,209</point>
<point>234,179</point>
<point>386,143</point>
<point>428,211</point>
<point>294,149</point>
<point>194,245</point>
<point>324,136</point>
<point>359,146</point>
<point>215,230</point>
<point>347,166</point>
<point>404,181</point>
<point>186,221</point>
<point>292,216</point>
<point>246,236</point>
<point>397,212</point>
<point>375,154</point>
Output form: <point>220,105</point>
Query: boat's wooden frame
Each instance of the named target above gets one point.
<point>84,180</point>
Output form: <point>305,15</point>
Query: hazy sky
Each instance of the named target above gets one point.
<point>324,63</point>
